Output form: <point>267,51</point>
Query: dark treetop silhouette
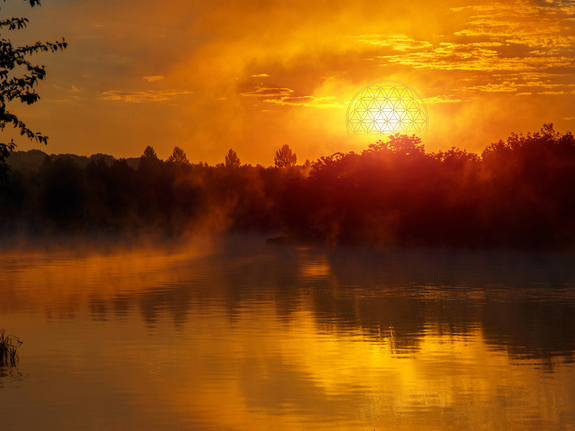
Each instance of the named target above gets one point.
<point>232,159</point>
<point>19,87</point>
<point>517,194</point>
<point>285,157</point>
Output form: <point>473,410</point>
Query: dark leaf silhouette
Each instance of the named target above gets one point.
<point>285,157</point>
<point>19,87</point>
<point>232,160</point>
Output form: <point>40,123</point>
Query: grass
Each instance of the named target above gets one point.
<point>8,346</point>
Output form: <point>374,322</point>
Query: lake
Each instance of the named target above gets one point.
<point>235,334</point>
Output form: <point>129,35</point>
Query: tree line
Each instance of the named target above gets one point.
<point>71,194</point>
<point>516,193</point>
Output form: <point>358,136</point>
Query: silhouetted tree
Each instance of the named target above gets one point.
<point>232,160</point>
<point>63,191</point>
<point>4,154</point>
<point>285,157</point>
<point>149,161</point>
<point>178,157</point>
<point>22,88</point>
<point>518,194</point>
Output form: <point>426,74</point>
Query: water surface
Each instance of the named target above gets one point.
<point>239,335</point>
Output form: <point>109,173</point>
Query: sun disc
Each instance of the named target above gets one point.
<point>387,107</point>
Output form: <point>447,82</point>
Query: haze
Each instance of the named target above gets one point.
<point>254,75</point>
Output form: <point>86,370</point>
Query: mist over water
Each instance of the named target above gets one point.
<point>233,334</point>
<point>516,195</point>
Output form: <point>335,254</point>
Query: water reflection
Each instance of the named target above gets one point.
<point>523,303</point>
<point>290,338</point>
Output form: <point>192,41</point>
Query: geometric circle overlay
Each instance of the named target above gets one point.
<point>386,107</point>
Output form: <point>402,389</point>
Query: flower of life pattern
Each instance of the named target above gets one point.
<point>384,108</point>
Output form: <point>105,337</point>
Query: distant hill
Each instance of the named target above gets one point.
<point>32,160</point>
<point>26,160</point>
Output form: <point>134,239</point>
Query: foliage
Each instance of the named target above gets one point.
<point>8,346</point>
<point>63,191</point>
<point>179,157</point>
<point>518,194</point>
<point>285,157</point>
<point>232,160</point>
<point>19,87</point>
<point>149,161</point>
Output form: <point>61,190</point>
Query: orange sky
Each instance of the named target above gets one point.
<point>252,75</point>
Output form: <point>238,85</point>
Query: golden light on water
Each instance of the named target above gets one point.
<point>386,107</point>
<point>192,339</point>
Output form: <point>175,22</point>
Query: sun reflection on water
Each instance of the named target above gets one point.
<point>289,339</point>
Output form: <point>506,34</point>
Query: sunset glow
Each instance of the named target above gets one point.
<point>210,75</point>
<point>385,108</point>
<point>287,215</point>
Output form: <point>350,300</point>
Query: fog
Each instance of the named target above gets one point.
<point>516,195</point>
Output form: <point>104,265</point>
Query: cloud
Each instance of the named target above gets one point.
<point>568,8</point>
<point>469,45</point>
<point>494,88</point>
<point>153,78</point>
<point>518,8</point>
<point>507,26</point>
<point>142,96</point>
<point>473,58</point>
<point>546,41</point>
<point>284,96</point>
<point>398,42</point>
<point>508,86</point>
<point>539,84</point>
<point>73,89</point>
<point>310,101</point>
<point>569,118</point>
<point>60,100</point>
<point>208,45</point>
<point>268,92</point>
<point>441,99</point>
<point>519,23</point>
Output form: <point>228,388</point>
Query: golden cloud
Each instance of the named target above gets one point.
<point>284,96</point>
<point>398,42</point>
<point>142,96</point>
<point>520,23</point>
<point>268,92</point>
<point>226,49</point>
<point>322,102</point>
<point>441,99</point>
<point>463,57</point>
<point>153,78</point>
<point>551,92</point>
<point>544,41</point>
<point>494,88</point>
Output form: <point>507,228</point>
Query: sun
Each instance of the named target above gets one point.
<point>385,108</point>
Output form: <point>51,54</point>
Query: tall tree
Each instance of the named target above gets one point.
<point>232,159</point>
<point>19,87</point>
<point>285,157</point>
<point>179,157</point>
<point>149,161</point>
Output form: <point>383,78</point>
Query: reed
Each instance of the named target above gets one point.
<point>8,346</point>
